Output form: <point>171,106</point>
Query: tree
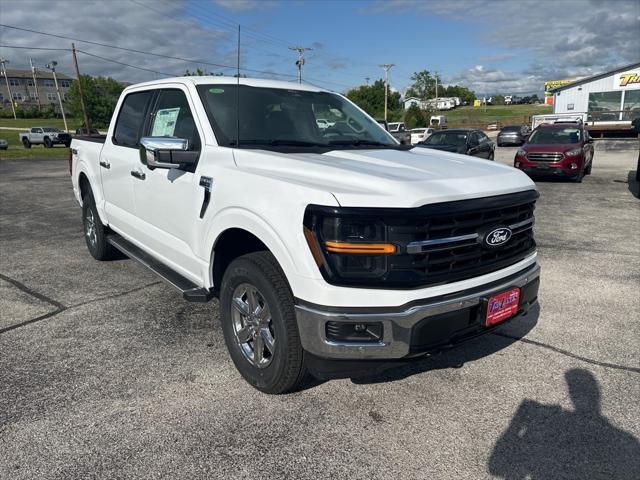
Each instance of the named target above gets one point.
<point>414,117</point>
<point>100,97</point>
<point>464,93</point>
<point>198,72</point>
<point>370,98</point>
<point>424,85</point>
<point>497,100</point>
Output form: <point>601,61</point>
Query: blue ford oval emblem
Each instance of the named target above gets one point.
<point>497,237</point>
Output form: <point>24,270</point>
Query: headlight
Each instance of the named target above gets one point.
<point>347,247</point>
<point>573,153</point>
<point>521,152</point>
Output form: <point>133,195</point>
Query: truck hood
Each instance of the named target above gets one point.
<point>388,178</point>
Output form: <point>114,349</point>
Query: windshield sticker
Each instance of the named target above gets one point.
<point>165,122</point>
<point>216,90</point>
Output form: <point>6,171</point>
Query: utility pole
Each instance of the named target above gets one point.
<point>436,87</point>
<point>386,67</point>
<point>367,80</point>
<point>300,61</point>
<point>84,109</point>
<point>3,63</point>
<point>35,83</point>
<point>52,66</point>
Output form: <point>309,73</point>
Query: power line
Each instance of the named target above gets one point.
<point>125,64</point>
<point>35,48</point>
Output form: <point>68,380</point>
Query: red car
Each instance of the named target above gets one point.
<point>558,149</point>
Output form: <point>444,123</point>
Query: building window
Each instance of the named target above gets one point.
<point>14,82</point>
<point>48,83</point>
<point>17,96</point>
<point>65,83</point>
<point>51,97</point>
<point>603,106</point>
<point>29,83</point>
<point>631,104</point>
<point>33,96</point>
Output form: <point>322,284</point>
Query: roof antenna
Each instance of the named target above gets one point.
<point>238,94</point>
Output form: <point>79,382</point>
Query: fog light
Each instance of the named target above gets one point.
<point>517,165</point>
<point>573,166</point>
<point>345,332</point>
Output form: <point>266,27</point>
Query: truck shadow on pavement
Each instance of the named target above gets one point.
<point>456,357</point>
<point>547,441</point>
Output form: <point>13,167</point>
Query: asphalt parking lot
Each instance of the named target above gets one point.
<point>105,372</point>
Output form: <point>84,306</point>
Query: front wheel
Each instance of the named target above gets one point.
<point>26,143</point>
<point>491,156</point>
<point>48,143</point>
<point>259,324</point>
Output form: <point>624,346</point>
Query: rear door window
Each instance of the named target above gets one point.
<point>130,119</point>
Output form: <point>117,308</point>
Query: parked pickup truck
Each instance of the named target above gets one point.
<point>400,132</point>
<point>47,136</point>
<point>323,245</point>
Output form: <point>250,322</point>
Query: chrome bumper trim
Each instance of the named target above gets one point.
<point>397,325</point>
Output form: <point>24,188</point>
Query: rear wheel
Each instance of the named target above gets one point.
<point>94,231</point>
<point>259,324</point>
<point>26,143</point>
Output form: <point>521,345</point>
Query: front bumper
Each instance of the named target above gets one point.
<point>561,167</point>
<point>417,328</point>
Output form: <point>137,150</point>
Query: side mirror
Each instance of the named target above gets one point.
<point>164,152</point>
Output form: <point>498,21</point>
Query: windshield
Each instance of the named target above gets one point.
<point>554,136</point>
<point>512,128</point>
<point>447,138</point>
<point>275,117</point>
<point>49,129</point>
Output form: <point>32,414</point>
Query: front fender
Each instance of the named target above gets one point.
<point>237,217</point>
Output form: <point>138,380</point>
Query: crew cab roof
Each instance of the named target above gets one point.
<point>211,80</point>
<point>561,125</point>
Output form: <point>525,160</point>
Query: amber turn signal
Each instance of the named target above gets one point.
<point>361,248</point>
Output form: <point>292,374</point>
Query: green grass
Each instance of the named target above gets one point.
<point>504,114</point>
<point>27,123</point>
<point>17,152</point>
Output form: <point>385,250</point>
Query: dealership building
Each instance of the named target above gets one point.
<point>609,100</point>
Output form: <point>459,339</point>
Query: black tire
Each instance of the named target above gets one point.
<point>67,144</point>
<point>492,156</point>
<point>97,243</point>
<point>587,170</point>
<point>47,142</point>
<point>26,143</point>
<point>578,178</point>
<point>285,369</point>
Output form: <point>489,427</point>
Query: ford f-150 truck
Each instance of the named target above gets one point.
<point>323,245</point>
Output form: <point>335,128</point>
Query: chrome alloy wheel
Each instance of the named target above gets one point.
<point>90,228</point>
<point>252,325</point>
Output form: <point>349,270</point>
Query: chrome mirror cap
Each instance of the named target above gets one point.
<point>149,146</point>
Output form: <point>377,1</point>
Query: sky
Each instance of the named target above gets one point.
<point>490,46</point>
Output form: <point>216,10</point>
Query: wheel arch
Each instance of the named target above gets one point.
<point>238,232</point>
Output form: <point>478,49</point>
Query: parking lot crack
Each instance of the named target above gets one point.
<point>569,354</point>
<point>59,306</point>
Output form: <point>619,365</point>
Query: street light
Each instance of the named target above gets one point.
<point>52,66</point>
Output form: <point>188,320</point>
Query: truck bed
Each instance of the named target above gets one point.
<point>92,138</point>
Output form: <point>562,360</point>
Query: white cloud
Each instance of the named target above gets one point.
<point>151,27</point>
<point>562,39</point>
<point>244,5</point>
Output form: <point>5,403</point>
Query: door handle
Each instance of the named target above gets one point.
<point>137,174</point>
<point>105,165</point>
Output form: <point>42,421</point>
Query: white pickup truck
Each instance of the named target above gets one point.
<point>323,245</point>
<point>47,136</point>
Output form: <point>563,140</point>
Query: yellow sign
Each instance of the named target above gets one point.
<point>551,84</point>
<point>628,79</point>
<point>476,103</point>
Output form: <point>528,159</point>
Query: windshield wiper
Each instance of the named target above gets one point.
<point>373,143</point>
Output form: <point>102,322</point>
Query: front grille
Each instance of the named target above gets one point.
<point>445,247</point>
<point>544,157</point>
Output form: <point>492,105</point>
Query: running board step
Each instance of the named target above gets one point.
<point>190,291</point>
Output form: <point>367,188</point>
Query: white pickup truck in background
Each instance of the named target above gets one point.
<point>47,136</point>
<point>323,244</point>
